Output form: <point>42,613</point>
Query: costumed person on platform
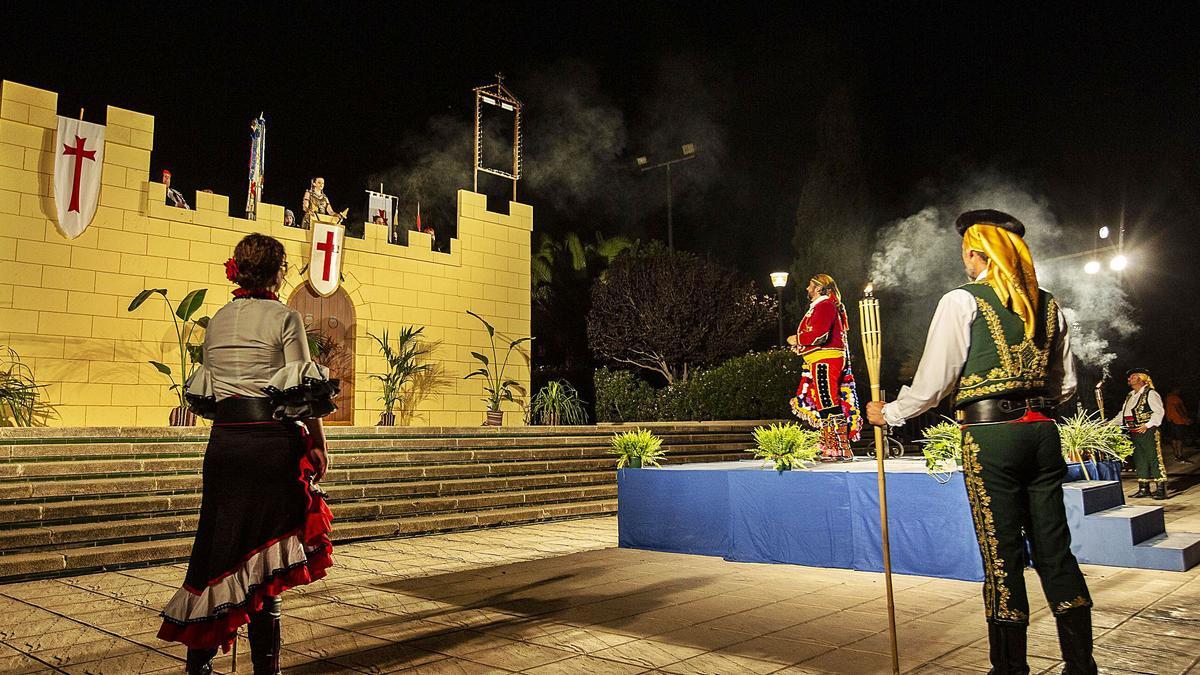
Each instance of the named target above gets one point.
<point>264,525</point>
<point>315,203</point>
<point>826,398</point>
<point>1000,346</point>
<point>1142,416</point>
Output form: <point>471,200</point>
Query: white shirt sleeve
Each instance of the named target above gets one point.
<point>1156,410</point>
<point>942,361</point>
<point>1061,382</point>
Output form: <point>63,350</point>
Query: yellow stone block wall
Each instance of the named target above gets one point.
<point>63,302</point>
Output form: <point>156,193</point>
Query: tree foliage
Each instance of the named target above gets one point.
<point>669,312</point>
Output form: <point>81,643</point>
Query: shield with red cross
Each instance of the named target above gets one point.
<point>78,163</point>
<point>325,260</point>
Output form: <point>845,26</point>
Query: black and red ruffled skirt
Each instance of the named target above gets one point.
<point>262,530</point>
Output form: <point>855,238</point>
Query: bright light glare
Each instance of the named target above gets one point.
<point>1092,267</point>
<point>779,279</point>
<point>1118,263</point>
<point>1104,232</point>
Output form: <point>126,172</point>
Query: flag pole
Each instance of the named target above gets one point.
<point>872,339</point>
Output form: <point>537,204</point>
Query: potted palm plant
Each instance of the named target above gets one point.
<point>636,449</point>
<point>787,445</point>
<point>557,403</point>
<point>190,354</point>
<point>495,385</point>
<point>21,404</point>
<point>1084,435</point>
<point>405,364</point>
<point>942,446</point>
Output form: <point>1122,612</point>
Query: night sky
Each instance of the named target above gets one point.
<point>1089,107</point>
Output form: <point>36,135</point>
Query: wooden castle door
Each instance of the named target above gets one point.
<point>333,318</point>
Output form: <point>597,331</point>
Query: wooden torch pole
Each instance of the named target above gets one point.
<point>872,338</point>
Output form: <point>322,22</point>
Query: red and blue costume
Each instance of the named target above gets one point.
<point>826,398</point>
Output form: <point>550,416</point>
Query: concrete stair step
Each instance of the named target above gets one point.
<point>121,448</point>
<point>116,556</point>
<point>19,540</point>
<point>117,507</point>
<point>1128,525</point>
<point>47,470</point>
<point>1178,551</point>
<point>1093,496</point>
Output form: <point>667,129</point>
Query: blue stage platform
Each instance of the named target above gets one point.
<point>828,516</point>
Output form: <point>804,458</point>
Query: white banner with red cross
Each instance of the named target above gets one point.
<point>325,260</point>
<point>78,162</point>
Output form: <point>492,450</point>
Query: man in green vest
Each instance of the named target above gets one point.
<point>1142,417</point>
<point>999,346</point>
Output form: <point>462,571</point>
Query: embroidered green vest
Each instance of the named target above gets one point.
<point>1141,409</point>
<point>1001,361</point>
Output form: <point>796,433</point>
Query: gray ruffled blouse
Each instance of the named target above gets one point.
<point>258,348</point>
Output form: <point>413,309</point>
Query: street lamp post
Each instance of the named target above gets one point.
<point>643,162</point>
<point>779,280</point>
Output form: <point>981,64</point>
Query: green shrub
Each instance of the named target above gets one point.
<point>1083,434</point>
<point>787,445</point>
<point>942,446</point>
<point>640,444</point>
<point>756,386</point>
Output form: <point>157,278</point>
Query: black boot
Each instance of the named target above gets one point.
<point>1007,648</point>
<point>199,661</point>
<point>265,638</point>
<point>1143,490</point>
<point>1075,640</point>
<point>1161,491</point>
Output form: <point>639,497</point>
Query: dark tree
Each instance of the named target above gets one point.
<point>669,312</point>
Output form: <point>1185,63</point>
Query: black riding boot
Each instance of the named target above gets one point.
<point>1075,640</point>
<point>1143,490</point>
<point>1161,491</point>
<point>265,638</point>
<point>1007,648</point>
<point>199,661</point>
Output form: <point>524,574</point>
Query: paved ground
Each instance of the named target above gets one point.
<point>561,598</point>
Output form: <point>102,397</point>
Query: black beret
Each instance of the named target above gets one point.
<point>989,217</point>
<point>1136,371</point>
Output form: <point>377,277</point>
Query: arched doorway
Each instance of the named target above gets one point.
<point>333,317</point>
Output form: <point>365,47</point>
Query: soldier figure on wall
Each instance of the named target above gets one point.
<point>315,203</point>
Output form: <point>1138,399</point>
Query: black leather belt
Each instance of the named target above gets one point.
<point>991,410</point>
<point>238,409</point>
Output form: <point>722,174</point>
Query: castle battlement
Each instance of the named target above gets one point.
<point>63,302</point>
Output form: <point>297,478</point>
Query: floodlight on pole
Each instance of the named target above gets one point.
<point>1118,263</point>
<point>779,281</point>
<point>1092,267</point>
<point>1104,232</point>
<point>643,162</point>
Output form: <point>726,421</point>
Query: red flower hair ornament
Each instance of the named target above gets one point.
<point>231,269</point>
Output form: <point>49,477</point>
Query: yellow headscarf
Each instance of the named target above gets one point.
<point>1010,270</point>
<point>826,281</point>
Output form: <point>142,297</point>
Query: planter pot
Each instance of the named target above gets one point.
<point>634,462</point>
<point>387,419</point>
<point>182,417</point>
<point>495,418</point>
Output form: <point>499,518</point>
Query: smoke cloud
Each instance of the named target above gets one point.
<point>918,258</point>
<point>578,144</point>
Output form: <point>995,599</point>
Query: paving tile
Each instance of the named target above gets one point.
<point>648,653</point>
<point>721,662</point>
<point>582,640</point>
<point>519,656</point>
<point>828,629</point>
<point>18,663</point>
<point>143,661</point>
<point>461,642</point>
<point>778,650</point>
<point>387,659</point>
<point>587,665</point>
<point>850,661</point>
<point>453,666</point>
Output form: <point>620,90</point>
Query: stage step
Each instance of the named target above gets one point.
<point>1121,535</point>
<point>75,500</point>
